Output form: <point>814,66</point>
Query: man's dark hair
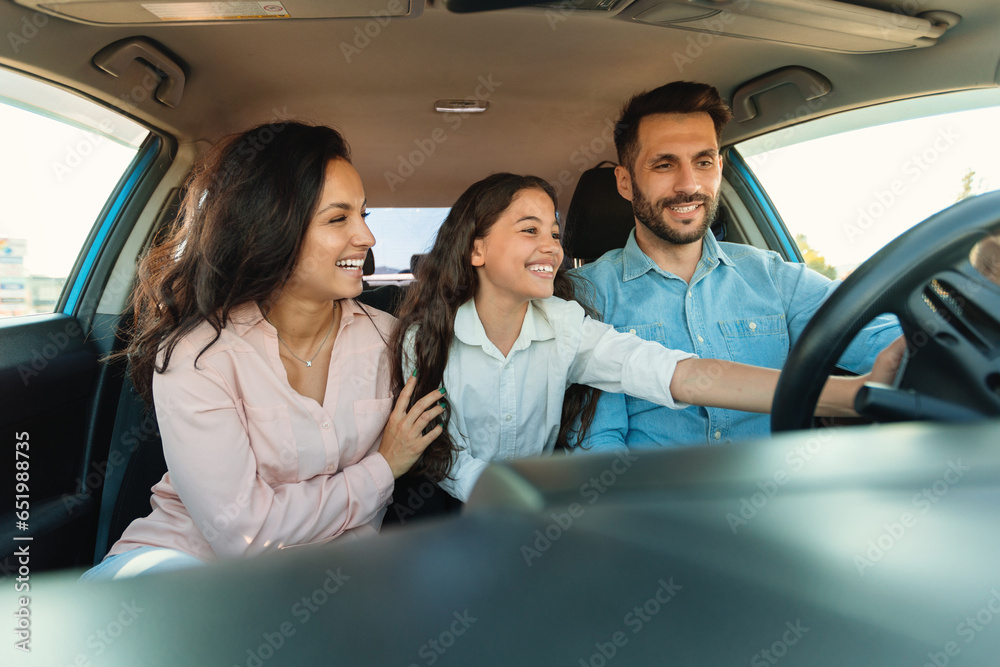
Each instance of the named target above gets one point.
<point>676,97</point>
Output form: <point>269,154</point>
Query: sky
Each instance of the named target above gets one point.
<point>54,181</point>
<point>852,194</point>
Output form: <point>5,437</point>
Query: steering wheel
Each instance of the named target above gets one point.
<point>949,312</point>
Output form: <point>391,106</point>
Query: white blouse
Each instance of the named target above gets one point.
<point>505,408</point>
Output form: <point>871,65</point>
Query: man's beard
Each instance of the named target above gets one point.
<point>652,216</point>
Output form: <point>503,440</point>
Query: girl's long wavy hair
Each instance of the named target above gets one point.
<point>446,280</point>
<point>245,211</point>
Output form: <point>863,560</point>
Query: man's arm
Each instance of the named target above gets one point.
<point>872,339</point>
<point>805,290</point>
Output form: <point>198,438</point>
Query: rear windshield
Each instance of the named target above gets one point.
<point>401,235</point>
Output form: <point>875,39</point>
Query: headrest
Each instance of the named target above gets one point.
<point>368,268</point>
<point>599,219</point>
<point>415,262</point>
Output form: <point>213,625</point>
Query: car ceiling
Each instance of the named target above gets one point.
<point>556,78</point>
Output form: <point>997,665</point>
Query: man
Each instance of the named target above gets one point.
<point>677,285</point>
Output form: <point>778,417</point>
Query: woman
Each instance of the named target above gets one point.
<point>270,384</point>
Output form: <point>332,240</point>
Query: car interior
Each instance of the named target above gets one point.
<point>433,95</point>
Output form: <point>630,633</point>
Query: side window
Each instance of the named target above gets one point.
<point>61,157</point>
<point>848,184</point>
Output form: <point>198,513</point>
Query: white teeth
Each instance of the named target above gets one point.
<point>683,209</point>
<point>351,263</point>
<point>540,268</point>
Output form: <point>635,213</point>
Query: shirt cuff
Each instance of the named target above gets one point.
<point>461,486</point>
<point>381,474</point>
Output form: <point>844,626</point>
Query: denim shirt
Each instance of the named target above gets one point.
<point>743,304</point>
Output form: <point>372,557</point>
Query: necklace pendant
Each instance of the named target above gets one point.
<point>309,364</point>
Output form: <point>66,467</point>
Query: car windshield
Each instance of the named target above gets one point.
<point>187,179</point>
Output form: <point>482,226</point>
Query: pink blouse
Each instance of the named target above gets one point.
<point>254,465</point>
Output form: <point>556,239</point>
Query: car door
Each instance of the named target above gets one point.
<point>76,176</point>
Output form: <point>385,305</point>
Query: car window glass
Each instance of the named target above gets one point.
<point>848,184</point>
<point>400,235</point>
<point>62,157</point>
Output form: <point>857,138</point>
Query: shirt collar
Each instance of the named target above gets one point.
<point>711,251</point>
<point>636,263</point>
<point>246,316</point>
<point>469,328</point>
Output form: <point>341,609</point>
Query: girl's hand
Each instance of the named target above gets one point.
<point>403,440</point>
<point>887,362</point>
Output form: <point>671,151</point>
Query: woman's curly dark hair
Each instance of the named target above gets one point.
<point>246,208</point>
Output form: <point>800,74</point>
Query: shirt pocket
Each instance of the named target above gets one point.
<point>273,443</point>
<point>759,341</point>
<point>370,416</point>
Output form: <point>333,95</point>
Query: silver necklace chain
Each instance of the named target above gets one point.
<point>308,363</point>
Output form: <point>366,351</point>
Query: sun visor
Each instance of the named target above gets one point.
<point>159,12</point>
<point>818,24</point>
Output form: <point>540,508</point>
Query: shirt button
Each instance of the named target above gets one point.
<point>753,325</point>
<point>631,331</point>
<point>718,434</point>
<point>325,424</point>
<point>331,468</point>
<point>690,294</point>
<point>508,418</point>
<point>700,339</point>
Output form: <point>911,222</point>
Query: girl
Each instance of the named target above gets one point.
<point>493,322</point>
<point>270,383</point>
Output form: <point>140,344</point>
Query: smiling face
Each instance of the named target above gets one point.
<point>674,184</point>
<point>336,241</point>
<point>518,258</point>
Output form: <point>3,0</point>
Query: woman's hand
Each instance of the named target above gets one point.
<point>403,440</point>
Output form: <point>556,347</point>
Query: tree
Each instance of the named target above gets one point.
<point>814,260</point>
<point>969,188</point>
